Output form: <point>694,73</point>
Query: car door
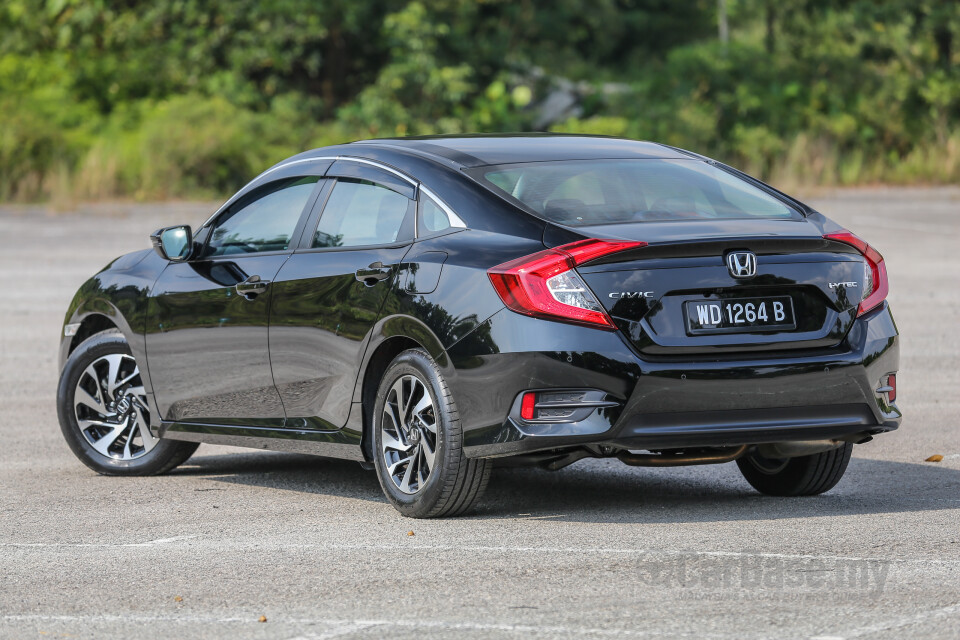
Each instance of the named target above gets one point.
<point>329,294</point>
<point>207,337</point>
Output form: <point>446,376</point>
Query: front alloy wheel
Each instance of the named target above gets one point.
<point>104,413</point>
<point>111,408</point>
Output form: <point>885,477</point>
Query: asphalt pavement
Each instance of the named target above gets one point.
<point>595,550</point>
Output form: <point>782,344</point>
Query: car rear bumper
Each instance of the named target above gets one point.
<point>671,402</point>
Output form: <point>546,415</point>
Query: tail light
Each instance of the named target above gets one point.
<point>875,284</point>
<point>545,285</point>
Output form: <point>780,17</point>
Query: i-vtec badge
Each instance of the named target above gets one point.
<point>619,295</point>
<point>834,285</point>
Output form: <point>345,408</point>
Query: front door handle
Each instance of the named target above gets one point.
<point>252,287</point>
<point>373,274</point>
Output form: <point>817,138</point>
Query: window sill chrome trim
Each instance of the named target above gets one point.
<point>359,247</point>
<point>230,257</point>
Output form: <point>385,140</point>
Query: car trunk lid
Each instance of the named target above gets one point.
<point>651,292</point>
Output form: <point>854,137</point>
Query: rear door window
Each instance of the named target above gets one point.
<point>363,213</point>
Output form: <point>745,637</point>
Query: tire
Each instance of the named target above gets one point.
<point>414,411</point>
<point>801,476</point>
<point>104,413</point>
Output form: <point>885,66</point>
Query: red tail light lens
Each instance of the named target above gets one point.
<point>544,284</point>
<point>876,286</point>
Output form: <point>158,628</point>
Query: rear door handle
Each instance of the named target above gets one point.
<point>373,274</point>
<point>252,287</point>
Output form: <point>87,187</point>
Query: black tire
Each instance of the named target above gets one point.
<point>164,454</point>
<point>802,476</point>
<point>455,482</point>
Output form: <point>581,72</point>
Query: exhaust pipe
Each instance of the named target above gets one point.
<point>681,459</point>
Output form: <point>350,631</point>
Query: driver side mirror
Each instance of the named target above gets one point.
<point>173,243</point>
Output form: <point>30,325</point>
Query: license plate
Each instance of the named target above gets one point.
<point>739,314</point>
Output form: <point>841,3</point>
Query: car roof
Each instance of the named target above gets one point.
<point>480,150</point>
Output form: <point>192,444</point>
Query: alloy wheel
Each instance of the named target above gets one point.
<point>408,434</point>
<point>111,408</point>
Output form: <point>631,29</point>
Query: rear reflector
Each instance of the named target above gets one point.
<point>892,383</point>
<point>875,286</point>
<point>527,405</point>
<point>545,285</point>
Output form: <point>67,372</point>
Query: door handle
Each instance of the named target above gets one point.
<point>252,287</point>
<point>373,274</point>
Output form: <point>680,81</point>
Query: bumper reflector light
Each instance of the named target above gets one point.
<point>527,405</point>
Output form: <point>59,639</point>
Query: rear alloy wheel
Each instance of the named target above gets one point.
<point>418,442</point>
<point>408,437</point>
<point>104,413</point>
<point>801,476</point>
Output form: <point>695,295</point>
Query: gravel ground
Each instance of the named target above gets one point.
<point>595,550</point>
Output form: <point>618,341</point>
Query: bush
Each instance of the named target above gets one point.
<point>191,98</point>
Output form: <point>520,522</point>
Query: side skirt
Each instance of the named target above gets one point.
<point>344,443</point>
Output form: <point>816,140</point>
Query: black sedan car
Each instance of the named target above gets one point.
<point>428,306</point>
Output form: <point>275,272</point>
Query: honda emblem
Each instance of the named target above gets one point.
<point>742,264</point>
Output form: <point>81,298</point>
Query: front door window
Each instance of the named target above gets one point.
<point>265,224</point>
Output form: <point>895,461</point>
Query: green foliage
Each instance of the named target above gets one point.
<point>105,98</point>
<point>821,92</point>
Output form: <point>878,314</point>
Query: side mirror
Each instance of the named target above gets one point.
<point>173,243</point>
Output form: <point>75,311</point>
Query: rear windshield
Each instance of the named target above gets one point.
<point>579,192</point>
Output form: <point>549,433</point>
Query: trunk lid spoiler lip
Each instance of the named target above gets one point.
<point>763,237</point>
<point>685,231</point>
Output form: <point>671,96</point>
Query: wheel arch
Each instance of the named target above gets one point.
<point>92,324</point>
<point>392,336</point>
<point>97,313</point>
<point>93,315</point>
